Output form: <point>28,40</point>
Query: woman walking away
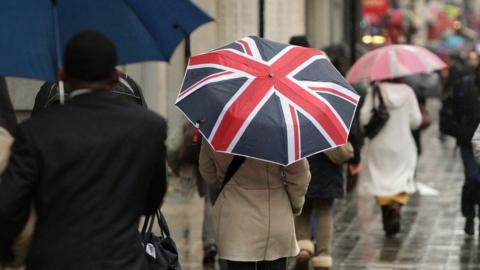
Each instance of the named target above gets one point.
<point>389,158</point>
<point>253,216</point>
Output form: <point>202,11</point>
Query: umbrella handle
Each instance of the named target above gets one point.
<point>188,50</point>
<point>196,133</point>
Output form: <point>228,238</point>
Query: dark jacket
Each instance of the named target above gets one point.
<point>327,180</point>
<point>327,177</point>
<point>91,167</point>
<point>463,104</point>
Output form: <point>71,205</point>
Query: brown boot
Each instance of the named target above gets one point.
<point>306,252</point>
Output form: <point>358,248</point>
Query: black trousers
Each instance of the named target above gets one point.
<point>280,264</point>
<point>471,187</point>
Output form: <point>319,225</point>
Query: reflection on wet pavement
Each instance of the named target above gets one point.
<point>432,226</point>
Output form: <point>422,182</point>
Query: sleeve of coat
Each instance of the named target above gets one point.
<point>415,114</point>
<point>206,164</point>
<point>366,110</point>
<point>476,144</point>
<point>158,185</point>
<point>17,185</point>
<point>297,178</point>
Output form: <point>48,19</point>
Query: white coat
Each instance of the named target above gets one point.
<point>389,159</point>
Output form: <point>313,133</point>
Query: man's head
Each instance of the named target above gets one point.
<point>89,62</point>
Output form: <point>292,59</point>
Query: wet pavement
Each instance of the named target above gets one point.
<point>432,227</point>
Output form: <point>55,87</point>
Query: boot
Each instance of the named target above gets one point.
<point>322,262</point>
<point>306,252</point>
<point>391,219</point>
<point>469,226</point>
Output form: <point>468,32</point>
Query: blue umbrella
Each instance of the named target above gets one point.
<point>34,32</point>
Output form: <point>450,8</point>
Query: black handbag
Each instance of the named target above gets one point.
<point>161,251</point>
<point>380,115</point>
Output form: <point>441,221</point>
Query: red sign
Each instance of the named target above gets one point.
<point>378,7</point>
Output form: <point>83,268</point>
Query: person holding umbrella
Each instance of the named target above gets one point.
<point>389,159</point>
<point>91,167</point>
<point>263,107</point>
<point>254,214</point>
<point>389,113</point>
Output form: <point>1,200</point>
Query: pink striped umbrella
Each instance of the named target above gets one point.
<point>394,61</point>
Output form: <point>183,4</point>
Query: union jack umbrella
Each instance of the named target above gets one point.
<point>266,100</point>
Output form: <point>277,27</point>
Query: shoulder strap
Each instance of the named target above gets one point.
<point>377,92</point>
<point>233,167</point>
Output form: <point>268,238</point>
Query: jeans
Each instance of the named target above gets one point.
<point>471,187</point>
<point>280,264</point>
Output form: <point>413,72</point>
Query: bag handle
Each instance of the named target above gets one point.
<point>377,92</point>
<point>233,167</point>
<point>147,228</point>
<point>149,222</point>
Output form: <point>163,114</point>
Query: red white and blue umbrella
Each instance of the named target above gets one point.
<point>266,100</point>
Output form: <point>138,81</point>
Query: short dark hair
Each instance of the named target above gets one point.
<point>90,56</point>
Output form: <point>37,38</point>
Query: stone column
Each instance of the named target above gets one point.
<point>319,22</point>
<point>284,19</point>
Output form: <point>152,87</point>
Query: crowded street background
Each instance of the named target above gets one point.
<point>227,134</point>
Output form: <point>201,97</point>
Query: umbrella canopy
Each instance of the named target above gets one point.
<point>266,100</point>
<point>394,61</point>
<point>36,31</point>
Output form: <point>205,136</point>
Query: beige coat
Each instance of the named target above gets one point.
<point>253,218</point>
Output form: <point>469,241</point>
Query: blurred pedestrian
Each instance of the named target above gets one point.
<point>183,158</point>
<point>326,185</point>
<point>461,122</point>
<point>253,217</point>
<point>91,167</point>
<point>389,159</point>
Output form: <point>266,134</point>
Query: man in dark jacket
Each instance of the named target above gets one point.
<point>463,107</point>
<point>91,168</point>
